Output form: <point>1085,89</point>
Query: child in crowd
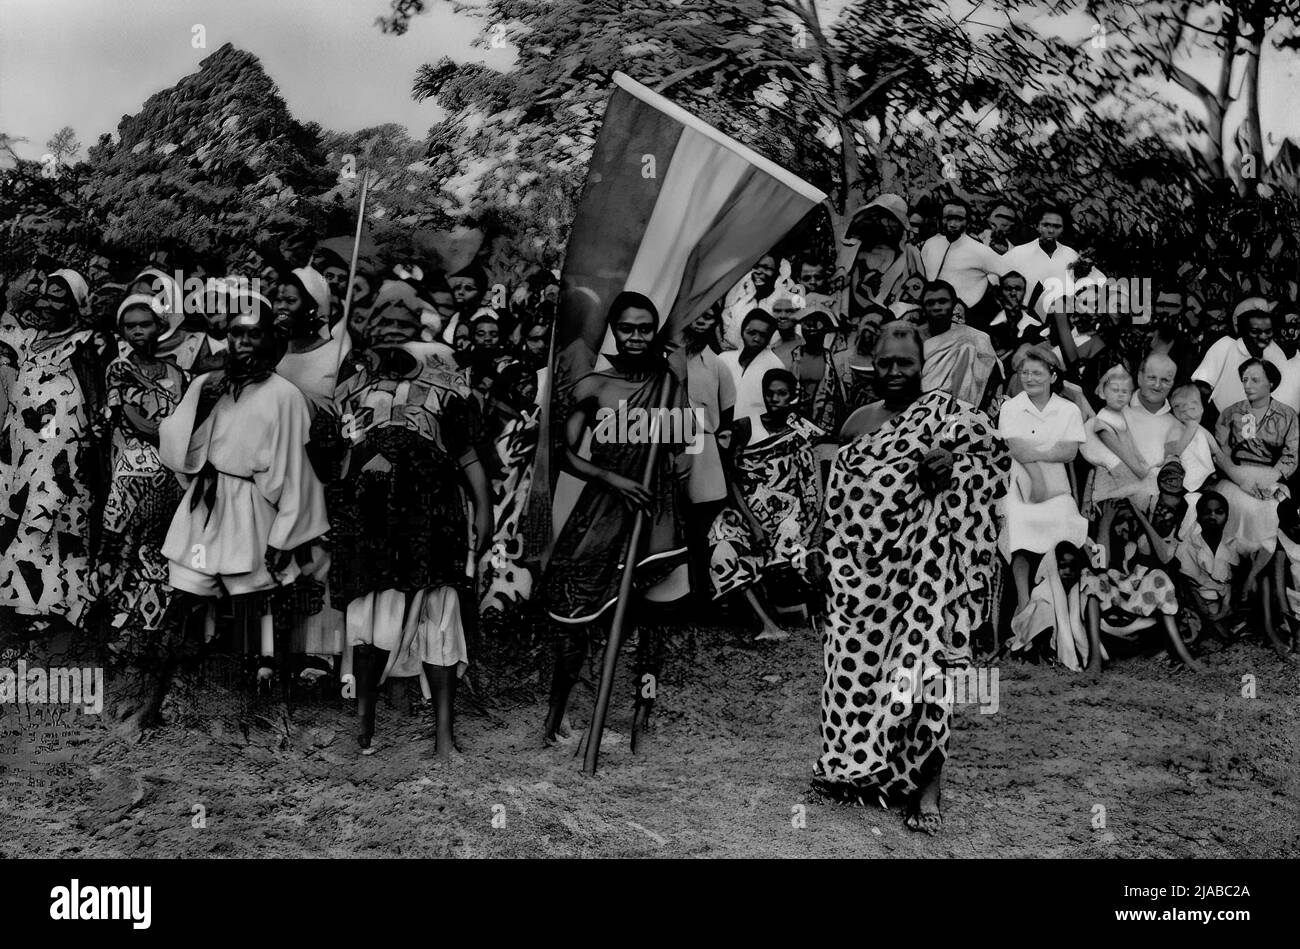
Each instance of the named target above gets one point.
<point>1115,390</point>
<point>1123,590</point>
<point>1163,522</point>
<point>1128,476</point>
<point>1192,444</point>
<point>1206,560</point>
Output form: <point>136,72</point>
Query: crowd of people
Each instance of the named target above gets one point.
<point>196,454</point>
<point>944,446</point>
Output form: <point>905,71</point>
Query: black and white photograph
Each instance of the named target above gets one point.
<point>651,429</point>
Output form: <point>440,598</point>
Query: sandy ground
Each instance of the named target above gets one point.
<point>1173,765</point>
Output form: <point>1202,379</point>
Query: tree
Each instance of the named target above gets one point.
<point>63,145</point>
<point>7,143</point>
<point>891,94</point>
<point>1154,40</point>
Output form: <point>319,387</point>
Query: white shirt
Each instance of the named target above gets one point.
<point>749,381</point>
<point>1198,460</point>
<point>1036,266</point>
<point>1210,570</point>
<point>1150,430</point>
<point>1219,369</point>
<point>1058,421</point>
<point>965,263</point>
<point>710,390</point>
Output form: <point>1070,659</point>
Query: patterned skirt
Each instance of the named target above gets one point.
<point>1144,591</point>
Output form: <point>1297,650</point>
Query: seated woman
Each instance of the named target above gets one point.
<point>774,518</point>
<point>1043,432</point>
<point>1122,587</point>
<point>1261,439</point>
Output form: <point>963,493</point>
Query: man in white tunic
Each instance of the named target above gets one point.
<point>253,509</point>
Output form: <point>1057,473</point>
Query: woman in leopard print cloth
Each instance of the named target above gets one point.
<point>910,538</point>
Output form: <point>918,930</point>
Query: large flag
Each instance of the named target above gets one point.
<point>672,208</point>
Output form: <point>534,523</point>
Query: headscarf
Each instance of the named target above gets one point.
<point>316,287</point>
<point>397,297</point>
<point>167,320</point>
<point>77,285</point>
<point>172,297</point>
<point>891,204</point>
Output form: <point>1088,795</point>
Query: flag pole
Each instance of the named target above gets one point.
<point>597,727</point>
<point>352,266</point>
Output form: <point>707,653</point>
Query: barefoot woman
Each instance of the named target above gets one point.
<point>910,537</point>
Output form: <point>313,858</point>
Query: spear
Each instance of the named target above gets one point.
<point>352,266</point>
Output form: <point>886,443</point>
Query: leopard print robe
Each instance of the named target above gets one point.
<point>910,580</point>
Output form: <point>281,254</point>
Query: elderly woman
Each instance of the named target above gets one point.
<point>143,389</point>
<point>910,535</point>
<point>49,460</point>
<point>398,517</point>
<point>1043,432</point>
<point>1261,438</point>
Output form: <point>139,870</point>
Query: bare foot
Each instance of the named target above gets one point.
<point>774,634</point>
<point>562,735</point>
<point>923,812</point>
<point>926,822</point>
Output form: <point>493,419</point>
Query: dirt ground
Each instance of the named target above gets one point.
<point>1148,763</point>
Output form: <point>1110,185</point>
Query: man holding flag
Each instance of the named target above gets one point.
<point>619,405</point>
<point>674,212</point>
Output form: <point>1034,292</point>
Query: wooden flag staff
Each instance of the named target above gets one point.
<point>352,266</point>
<point>630,556</point>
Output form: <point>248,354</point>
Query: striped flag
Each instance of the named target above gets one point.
<point>673,209</point>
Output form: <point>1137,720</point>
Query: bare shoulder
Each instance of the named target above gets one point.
<point>861,422</point>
